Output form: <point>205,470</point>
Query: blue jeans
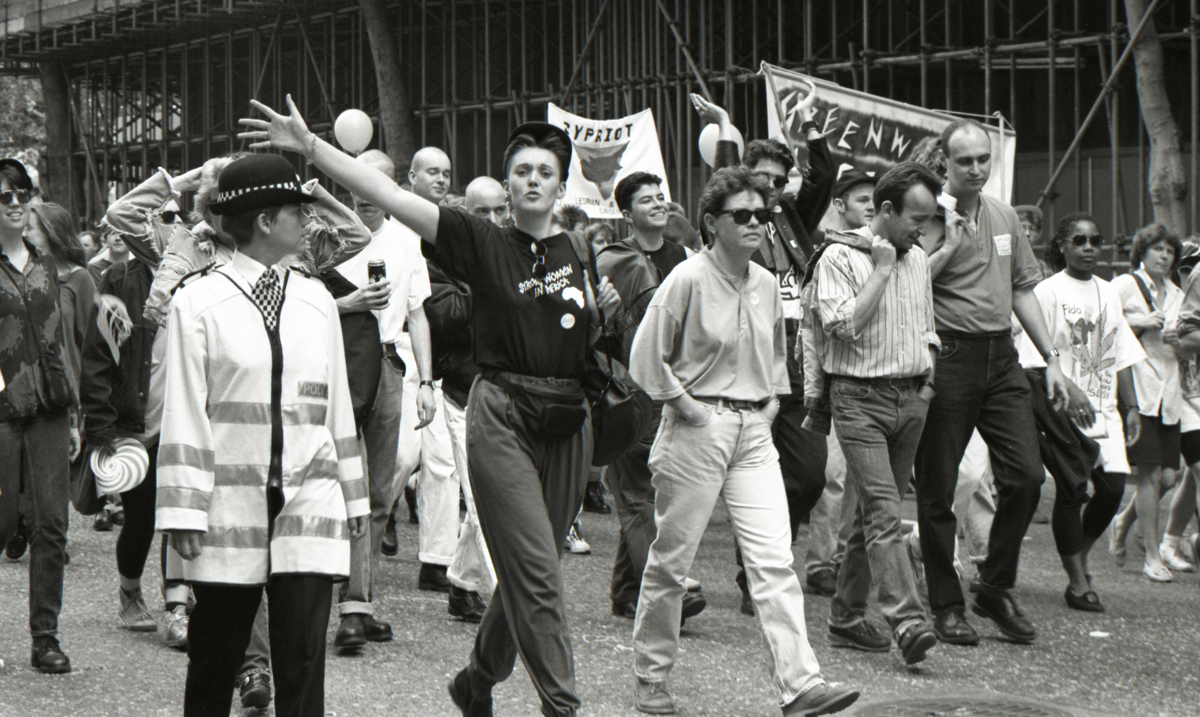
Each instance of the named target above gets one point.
<point>879,424</point>
<point>731,456</point>
<point>33,458</point>
<point>979,385</point>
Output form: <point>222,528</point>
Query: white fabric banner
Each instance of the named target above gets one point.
<point>874,133</point>
<point>603,152</point>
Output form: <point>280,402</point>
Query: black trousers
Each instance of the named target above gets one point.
<point>219,631</point>
<point>137,534</point>
<point>802,456</point>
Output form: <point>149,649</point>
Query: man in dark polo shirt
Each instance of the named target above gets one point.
<point>983,272</point>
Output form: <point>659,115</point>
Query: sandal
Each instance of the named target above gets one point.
<point>1157,572</point>
<point>1087,602</point>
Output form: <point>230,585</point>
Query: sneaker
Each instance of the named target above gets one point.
<point>103,522</point>
<point>862,636</point>
<point>652,698</point>
<point>822,581</point>
<point>575,543</point>
<point>1157,573</point>
<point>823,699</point>
<point>174,627</point>
<point>1175,560</point>
<point>915,642</point>
<point>19,541</point>
<point>135,615</point>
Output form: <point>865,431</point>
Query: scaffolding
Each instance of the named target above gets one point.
<point>163,82</point>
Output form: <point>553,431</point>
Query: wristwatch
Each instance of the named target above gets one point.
<point>427,383</point>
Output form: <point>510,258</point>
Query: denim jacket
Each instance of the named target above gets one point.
<point>30,327</point>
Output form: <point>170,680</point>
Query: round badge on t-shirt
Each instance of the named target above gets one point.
<point>754,298</point>
<point>567,321</point>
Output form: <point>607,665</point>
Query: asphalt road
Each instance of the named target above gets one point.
<point>1141,657</point>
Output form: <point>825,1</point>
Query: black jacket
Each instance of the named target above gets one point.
<point>448,310</point>
<point>114,395</point>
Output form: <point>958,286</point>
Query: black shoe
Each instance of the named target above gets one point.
<point>48,657</point>
<point>460,692</point>
<point>747,607</point>
<point>376,630</point>
<point>391,545</point>
<point>915,642</point>
<point>862,636</point>
<point>103,522</point>
<point>118,517</point>
<point>822,582</point>
<point>466,605</point>
<point>1003,610</point>
<point>593,499</point>
<point>693,605</point>
<point>255,690</point>
<point>19,540</point>
<point>624,608</point>
<point>950,626</point>
<point>350,633</point>
<point>410,497</point>
<point>433,577</point>
<point>1087,602</point>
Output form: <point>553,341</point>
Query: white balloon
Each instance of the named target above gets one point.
<point>708,143</point>
<point>353,130</point>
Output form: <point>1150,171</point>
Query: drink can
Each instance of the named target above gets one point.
<point>376,271</point>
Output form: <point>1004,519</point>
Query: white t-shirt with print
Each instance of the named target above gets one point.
<point>1094,342</point>
<point>400,249</point>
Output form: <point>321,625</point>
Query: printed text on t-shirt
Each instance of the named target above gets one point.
<point>554,281</point>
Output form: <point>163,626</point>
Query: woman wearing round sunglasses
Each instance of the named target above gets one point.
<point>1097,350</point>
<point>1148,297</point>
<point>712,346</point>
<point>529,442</point>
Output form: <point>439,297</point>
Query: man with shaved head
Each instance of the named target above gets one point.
<point>449,309</point>
<point>487,199</point>
<point>395,301</point>
<point>430,448</point>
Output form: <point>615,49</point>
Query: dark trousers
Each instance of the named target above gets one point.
<point>979,385</point>
<point>219,631</point>
<point>1071,527</point>
<point>527,490</point>
<point>33,461</point>
<point>629,478</point>
<point>802,456</point>
<point>137,534</point>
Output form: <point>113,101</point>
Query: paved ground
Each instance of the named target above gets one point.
<point>1139,658</point>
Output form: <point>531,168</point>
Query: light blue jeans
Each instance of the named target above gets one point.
<point>732,457</point>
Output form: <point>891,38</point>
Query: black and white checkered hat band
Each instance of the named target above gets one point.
<point>289,186</point>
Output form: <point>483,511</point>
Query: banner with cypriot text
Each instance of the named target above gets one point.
<point>604,151</point>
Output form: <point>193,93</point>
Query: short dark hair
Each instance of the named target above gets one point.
<point>16,178</point>
<point>769,149</point>
<point>1030,213</point>
<point>896,182</point>
<point>1150,235</point>
<point>681,231</point>
<point>599,228</point>
<point>572,213</point>
<point>59,226</point>
<point>240,225</point>
<point>551,141</point>
<point>629,185</point>
<point>727,182</point>
<point>1053,253</point>
<point>958,125</point>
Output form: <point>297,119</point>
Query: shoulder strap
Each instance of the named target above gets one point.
<point>1145,291</point>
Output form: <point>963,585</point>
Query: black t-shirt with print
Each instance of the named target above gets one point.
<point>520,324</point>
<point>667,257</point>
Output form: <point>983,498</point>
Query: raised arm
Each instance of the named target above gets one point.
<point>290,133</point>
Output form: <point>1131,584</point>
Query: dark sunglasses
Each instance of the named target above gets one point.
<point>168,216</point>
<point>742,216</point>
<point>1096,241</point>
<point>23,196</point>
<point>539,266</point>
<point>777,180</point>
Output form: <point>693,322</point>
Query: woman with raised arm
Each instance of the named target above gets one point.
<point>529,433</point>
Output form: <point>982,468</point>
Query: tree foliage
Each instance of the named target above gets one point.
<point>22,119</point>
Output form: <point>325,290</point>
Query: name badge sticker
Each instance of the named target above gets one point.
<point>1003,244</point>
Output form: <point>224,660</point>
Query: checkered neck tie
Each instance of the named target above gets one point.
<point>268,295</point>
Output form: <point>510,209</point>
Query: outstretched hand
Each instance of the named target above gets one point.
<point>710,112</point>
<point>805,107</point>
<point>286,132</point>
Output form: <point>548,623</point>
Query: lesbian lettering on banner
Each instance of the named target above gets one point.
<point>874,133</point>
<point>604,151</point>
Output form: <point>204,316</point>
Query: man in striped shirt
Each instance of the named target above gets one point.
<point>875,307</point>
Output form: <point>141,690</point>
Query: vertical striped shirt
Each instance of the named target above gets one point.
<point>895,342</point>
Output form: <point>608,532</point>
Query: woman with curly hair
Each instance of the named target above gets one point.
<point>1148,297</point>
